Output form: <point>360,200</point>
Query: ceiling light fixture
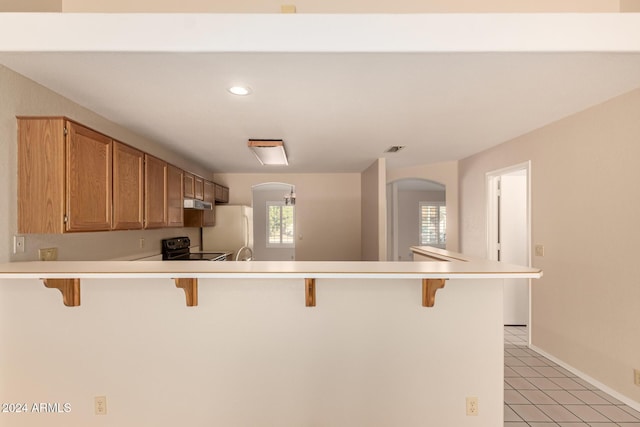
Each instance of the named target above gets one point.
<point>290,198</point>
<point>269,151</point>
<point>240,90</point>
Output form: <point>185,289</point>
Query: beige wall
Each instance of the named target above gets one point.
<point>585,211</point>
<point>446,174</point>
<point>629,6</point>
<point>21,96</point>
<point>374,212</point>
<point>315,6</point>
<point>327,211</point>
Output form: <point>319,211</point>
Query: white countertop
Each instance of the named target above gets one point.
<point>456,266</point>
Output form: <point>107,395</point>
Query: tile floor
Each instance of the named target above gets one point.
<point>539,393</point>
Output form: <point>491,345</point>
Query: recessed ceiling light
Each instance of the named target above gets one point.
<point>240,90</point>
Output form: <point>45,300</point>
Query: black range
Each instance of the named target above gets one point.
<point>177,249</point>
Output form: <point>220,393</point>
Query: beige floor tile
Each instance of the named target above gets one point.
<point>563,397</point>
<point>510,415</point>
<point>616,414</point>
<point>530,413</point>
<point>537,397</point>
<point>513,397</point>
<point>587,413</point>
<point>558,413</point>
<point>589,397</point>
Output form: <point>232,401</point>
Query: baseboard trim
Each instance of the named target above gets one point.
<point>622,398</point>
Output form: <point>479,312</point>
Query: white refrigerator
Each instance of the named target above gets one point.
<point>232,232</point>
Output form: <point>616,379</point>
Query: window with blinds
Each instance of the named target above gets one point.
<point>280,225</point>
<point>433,224</point>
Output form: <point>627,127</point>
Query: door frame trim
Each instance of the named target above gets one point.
<point>491,217</point>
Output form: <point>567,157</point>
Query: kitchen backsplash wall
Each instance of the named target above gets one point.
<point>21,96</point>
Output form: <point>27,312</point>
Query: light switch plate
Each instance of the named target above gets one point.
<point>18,244</point>
<point>539,250</point>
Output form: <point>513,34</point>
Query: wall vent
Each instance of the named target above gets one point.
<point>394,148</point>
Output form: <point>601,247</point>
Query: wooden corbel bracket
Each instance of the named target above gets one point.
<point>190,287</point>
<point>429,288</point>
<point>310,292</point>
<point>70,289</point>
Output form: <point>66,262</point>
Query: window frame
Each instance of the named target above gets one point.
<point>280,245</point>
<point>439,205</point>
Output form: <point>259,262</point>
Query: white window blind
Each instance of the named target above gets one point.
<point>433,224</point>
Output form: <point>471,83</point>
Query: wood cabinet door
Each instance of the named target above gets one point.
<point>225,194</point>
<point>155,192</point>
<point>88,179</point>
<point>128,186</point>
<point>208,216</point>
<point>218,192</point>
<point>175,197</point>
<point>198,188</point>
<point>41,178</point>
<point>188,186</point>
<point>221,193</point>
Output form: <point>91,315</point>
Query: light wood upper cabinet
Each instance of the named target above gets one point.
<point>198,185</point>
<point>175,198</point>
<point>128,187</point>
<point>64,177</point>
<point>88,179</point>
<point>202,217</point>
<point>41,178</point>
<point>72,178</point>
<point>221,194</point>
<point>209,196</point>
<point>155,192</point>
<point>188,186</point>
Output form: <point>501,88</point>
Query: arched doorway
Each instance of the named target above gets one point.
<point>416,216</point>
<point>274,221</point>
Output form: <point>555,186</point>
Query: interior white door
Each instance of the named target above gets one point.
<point>513,249</point>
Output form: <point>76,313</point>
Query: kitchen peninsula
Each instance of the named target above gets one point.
<point>263,343</point>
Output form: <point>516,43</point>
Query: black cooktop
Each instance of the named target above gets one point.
<point>177,249</point>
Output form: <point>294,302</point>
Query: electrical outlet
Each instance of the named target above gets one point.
<point>636,377</point>
<point>101,405</point>
<point>48,254</point>
<point>472,406</point>
<point>18,244</point>
<point>141,243</point>
<point>288,8</point>
<point>539,250</point>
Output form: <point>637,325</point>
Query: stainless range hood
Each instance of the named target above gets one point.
<point>197,204</point>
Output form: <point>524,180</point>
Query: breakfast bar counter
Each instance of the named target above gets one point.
<point>258,343</point>
<point>452,268</point>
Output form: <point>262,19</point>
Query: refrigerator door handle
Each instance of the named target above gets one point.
<point>246,231</point>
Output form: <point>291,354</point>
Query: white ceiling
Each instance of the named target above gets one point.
<point>336,112</point>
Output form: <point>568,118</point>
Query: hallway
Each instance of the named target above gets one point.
<point>539,393</point>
